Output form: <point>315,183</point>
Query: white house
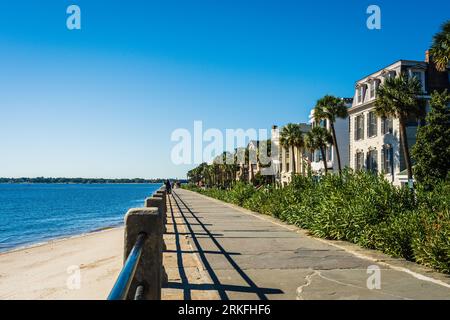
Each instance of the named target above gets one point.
<point>289,163</point>
<point>341,127</point>
<point>374,141</point>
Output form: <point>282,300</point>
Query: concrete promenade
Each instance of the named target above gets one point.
<point>220,251</point>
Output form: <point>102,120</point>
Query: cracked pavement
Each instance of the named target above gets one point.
<point>251,256</point>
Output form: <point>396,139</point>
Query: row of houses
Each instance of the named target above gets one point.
<point>365,141</point>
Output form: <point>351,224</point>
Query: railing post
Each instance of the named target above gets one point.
<point>155,201</point>
<point>158,202</point>
<point>148,273</point>
<point>162,195</point>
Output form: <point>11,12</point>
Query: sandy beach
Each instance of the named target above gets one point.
<point>48,271</point>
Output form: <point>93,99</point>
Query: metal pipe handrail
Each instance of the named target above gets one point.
<point>123,282</point>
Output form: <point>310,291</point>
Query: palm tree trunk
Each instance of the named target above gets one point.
<point>252,174</point>
<point>293,159</point>
<point>405,147</point>
<point>324,159</point>
<point>338,156</point>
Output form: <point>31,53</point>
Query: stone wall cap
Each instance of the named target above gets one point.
<point>143,211</point>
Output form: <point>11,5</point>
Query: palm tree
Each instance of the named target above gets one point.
<point>212,174</point>
<point>240,160</point>
<point>292,136</point>
<point>263,156</point>
<point>204,169</point>
<point>195,175</point>
<point>318,139</point>
<point>399,97</point>
<point>331,108</point>
<point>440,49</point>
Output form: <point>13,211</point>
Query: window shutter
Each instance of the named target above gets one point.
<point>368,124</point>
<point>383,120</point>
<point>383,165</point>
<point>362,126</point>
<point>375,120</point>
<point>367,160</point>
<point>375,161</point>
<point>391,160</point>
<point>355,129</point>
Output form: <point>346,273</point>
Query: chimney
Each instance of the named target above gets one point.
<point>436,80</point>
<point>275,133</point>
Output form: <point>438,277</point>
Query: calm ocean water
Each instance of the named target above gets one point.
<point>33,213</point>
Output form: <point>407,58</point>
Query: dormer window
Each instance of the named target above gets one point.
<point>360,94</point>
<point>388,74</point>
<point>391,74</point>
<point>373,86</point>
<point>419,75</point>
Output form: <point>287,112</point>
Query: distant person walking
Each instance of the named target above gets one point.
<point>168,186</point>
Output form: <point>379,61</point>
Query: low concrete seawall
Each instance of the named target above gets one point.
<point>148,274</point>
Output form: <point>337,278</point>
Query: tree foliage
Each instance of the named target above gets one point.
<point>432,149</point>
<point>401,97</point>
<point>440,49</point>
<point>331,108</point>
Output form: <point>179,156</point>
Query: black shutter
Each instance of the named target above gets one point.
<point>367,161</point>
<point>362,126</point>
<point>391,160</point>
<point>368,124</point>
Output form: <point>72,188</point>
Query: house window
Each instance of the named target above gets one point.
<point>387,159</point>
<point>359,161</point>
<point>359,127</point>
<point>360,94</point>
<point>328,153</point>
<point>372,163</point>
<point>391,74</point>
<point>372,124</point>
<point>419,76</point>
<point>287,159</point>
<point>373,88</point>
<point>318,155</point>
<point>387,126</point>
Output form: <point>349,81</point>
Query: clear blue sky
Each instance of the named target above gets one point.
<point>103,101</point>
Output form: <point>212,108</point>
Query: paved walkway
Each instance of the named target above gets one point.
<point>245,255</point>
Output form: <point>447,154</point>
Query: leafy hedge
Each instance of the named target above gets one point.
<point>359,207</point>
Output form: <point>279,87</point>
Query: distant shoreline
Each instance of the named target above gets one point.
<point>81,182</point>
<point>42,180</point>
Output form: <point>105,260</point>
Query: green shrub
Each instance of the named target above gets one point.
<point>432,242</point>
<point>359,207</point>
